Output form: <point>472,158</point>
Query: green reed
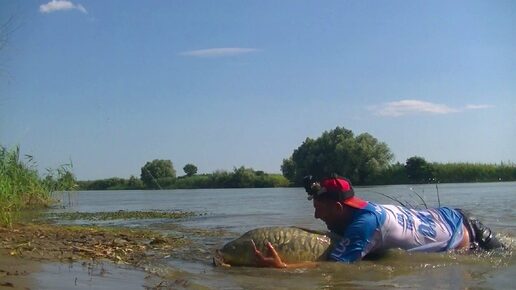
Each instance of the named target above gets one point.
<point>21,186</point>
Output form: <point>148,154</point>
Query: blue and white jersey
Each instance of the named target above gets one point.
<point>379,227</point>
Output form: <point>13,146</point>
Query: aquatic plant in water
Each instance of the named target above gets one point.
<point>21,187</point>
<point>122,214</point>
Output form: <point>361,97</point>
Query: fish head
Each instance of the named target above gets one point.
<point>239,252</point>
<point>218,260</point>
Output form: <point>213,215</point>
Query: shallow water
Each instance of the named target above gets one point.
<point>227,213</point>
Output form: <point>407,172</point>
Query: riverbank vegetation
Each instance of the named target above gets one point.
<point>444,173</point>
<point>363,159</point>
<point>239,178</point>
<point>367,161</point>
<point>21,187</point>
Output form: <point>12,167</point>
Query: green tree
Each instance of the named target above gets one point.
<point>288,168</point>
<point>242,177</point>
<point>190,169</point>
<point>392,174</point>
<point>134,183</point>
<point>153,171</point>
<point>337,151</point>
<point>418,170</point>
<point>369,157</point>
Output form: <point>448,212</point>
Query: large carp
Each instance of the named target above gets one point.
<point>293,245</point>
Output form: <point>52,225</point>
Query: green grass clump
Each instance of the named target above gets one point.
<point>21,187</point>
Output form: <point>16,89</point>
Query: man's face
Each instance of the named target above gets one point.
<point>326,211</point>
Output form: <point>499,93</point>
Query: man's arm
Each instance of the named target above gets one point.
<point>357,240</point>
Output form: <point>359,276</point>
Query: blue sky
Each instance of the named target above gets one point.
<point>110,85</point>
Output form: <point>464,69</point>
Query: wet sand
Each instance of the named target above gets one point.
<point>15,272</point>
<point>23,273</point>
<point>44,256</point>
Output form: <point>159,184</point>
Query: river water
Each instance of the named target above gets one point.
<point>227,213</point>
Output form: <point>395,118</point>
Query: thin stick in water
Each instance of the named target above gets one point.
<point>438,199</point>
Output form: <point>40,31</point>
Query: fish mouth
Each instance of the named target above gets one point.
<point>218,260</point>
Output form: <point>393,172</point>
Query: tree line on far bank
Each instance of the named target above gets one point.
<point>362,159</point>
<point>366,161</point>
<point>418,171</point>
<point>160,174</point>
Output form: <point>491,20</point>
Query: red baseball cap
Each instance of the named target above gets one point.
<point>336,188</point>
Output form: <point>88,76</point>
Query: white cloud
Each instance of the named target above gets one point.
<point>478,107</point>
<point>405,107</point>
<point>412,107</point>
<point>57,5</point>
<point>219,52</point>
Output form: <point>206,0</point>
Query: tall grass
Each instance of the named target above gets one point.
<point>22,188</point>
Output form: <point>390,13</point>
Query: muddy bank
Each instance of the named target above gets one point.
<point>26,249</point>
<point>72,243</point>
<point>52,252</point>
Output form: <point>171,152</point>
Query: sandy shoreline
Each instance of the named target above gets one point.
<point>46,256</point>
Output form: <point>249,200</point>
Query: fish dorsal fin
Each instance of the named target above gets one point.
<point>333,236</point>
<point>318,232</point>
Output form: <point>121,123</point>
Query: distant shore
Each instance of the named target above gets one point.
<point>83,187</point>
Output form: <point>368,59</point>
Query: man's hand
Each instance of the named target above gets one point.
<point>274,260</point>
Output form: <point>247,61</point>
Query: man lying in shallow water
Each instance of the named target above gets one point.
<point>367,228</point>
